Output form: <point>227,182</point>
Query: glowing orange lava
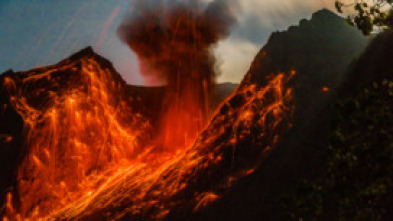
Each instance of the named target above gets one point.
<point>89,157</point>
<point>75,138</point>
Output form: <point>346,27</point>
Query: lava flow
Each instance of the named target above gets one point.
<point>88,156</point>
<point>92,153</point>
<point>75,134</point>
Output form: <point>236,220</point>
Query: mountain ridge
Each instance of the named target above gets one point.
<point>320,52</point>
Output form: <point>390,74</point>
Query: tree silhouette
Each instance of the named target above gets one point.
<point>368,14</point>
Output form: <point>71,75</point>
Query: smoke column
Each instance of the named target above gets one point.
<point>174,40</point>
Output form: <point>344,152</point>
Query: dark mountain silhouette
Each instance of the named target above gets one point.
<point>374,65</point>
<point>320,51</point>
<point>356,183</point>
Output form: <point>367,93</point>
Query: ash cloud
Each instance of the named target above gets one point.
<point>173,39</point>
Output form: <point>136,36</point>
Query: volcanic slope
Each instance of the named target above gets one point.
<point>320,50</point>
<point>79,144</point>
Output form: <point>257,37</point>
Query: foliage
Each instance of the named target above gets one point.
<point>369,14</point>
<point>357,182</point>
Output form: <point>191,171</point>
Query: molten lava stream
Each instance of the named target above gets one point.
<point>129,180</point>
<point>79,143</point>
<point>76,141</point>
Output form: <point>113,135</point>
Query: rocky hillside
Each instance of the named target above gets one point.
<point>320,50</point>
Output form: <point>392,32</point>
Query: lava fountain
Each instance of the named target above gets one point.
<point>174,44</point>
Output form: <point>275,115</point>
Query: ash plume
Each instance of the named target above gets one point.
<point>174,41</point>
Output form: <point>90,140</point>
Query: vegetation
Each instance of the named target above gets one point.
<point>357,182</point>
<point>369,14</point>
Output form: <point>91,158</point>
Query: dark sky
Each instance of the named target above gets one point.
<point>42,32</point>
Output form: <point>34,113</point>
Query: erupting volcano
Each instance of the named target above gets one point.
<point>89,150</point>
<point>174,47</point>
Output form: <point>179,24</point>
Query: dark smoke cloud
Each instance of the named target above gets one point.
<point>174,40</point>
